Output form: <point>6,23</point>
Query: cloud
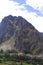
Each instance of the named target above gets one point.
<point>9,7</point>
<point>31,9</point>
<point>37,4</point>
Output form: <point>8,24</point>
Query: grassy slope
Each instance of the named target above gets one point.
<point>14,63</point>
<point>9,44</point>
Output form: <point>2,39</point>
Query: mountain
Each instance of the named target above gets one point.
<point>41,33</point>
<point>18,34</point>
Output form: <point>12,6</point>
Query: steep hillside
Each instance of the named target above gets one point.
<point>17,33</point>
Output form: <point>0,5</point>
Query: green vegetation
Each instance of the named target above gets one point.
<point>6,59</point>
<point>14,63</point>
<point>11,58</point>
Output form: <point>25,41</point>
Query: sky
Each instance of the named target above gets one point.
<point>31,10</point>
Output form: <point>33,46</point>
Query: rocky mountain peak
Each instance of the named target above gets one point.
<point>26,37</point>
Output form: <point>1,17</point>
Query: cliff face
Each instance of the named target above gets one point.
<point>21,34</point>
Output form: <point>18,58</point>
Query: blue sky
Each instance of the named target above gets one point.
<point>19,1</point>
<point>31,10</point>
